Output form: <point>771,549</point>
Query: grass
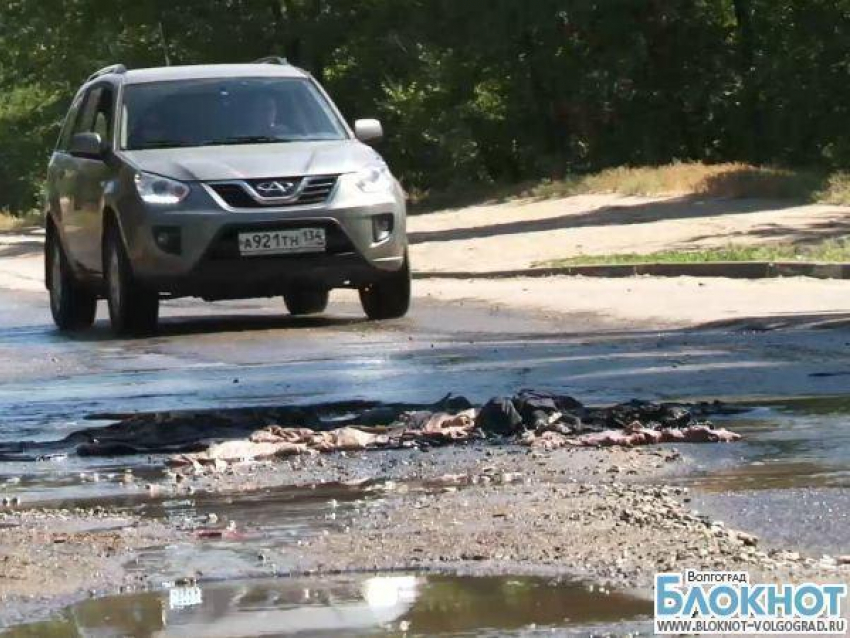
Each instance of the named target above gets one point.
<point>732,180</point>
<point>10,222</point>
<point>831,250</point>
<point>717,180</point>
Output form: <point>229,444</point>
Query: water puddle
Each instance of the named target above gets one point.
<point>787,480</point>
<point>801,443</point>
<point>383,605</point>
<point>266,526</point>
<point>237,535</point>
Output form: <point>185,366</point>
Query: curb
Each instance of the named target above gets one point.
<point>730,270</point>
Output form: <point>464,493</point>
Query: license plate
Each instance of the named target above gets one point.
<point>282,242</point>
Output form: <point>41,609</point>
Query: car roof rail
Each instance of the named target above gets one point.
<point>272,59</point>
<point>112,68</point>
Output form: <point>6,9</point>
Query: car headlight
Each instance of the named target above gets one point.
<point>157,190</point>
<point>375,178</point>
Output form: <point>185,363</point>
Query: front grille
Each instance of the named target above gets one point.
<point>314,190</point>
<point>235,196</point>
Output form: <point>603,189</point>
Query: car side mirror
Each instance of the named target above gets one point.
<point>368,130</point>
<point>88,145</point>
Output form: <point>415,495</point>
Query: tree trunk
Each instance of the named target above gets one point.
<point>752,117</point>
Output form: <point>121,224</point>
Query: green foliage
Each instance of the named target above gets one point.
<point>28,119</point>
<point>477,91</point>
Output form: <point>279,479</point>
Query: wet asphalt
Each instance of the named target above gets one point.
<point>251,353</point>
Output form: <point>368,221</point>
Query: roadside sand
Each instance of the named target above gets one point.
<point>21,263</point>
<point>517,234</point>
<point>22,273</point>
<point>656,301</point>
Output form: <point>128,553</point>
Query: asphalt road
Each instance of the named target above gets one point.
<point>252,353</point>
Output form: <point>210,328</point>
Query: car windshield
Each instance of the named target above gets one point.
<point>226,111</point>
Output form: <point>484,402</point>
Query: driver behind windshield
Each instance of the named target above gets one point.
<point>262,118</point>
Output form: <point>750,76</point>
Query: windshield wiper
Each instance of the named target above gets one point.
<point>160,144</point>
<point>247,139</point>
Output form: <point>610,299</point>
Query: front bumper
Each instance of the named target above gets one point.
<point>208,264</point>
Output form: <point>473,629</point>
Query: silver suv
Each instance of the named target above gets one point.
<point>219,182</point>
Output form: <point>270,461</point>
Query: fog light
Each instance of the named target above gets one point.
<point>168,239</point>
<point>382,227</point>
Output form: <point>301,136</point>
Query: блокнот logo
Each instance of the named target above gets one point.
<point>695,602</point>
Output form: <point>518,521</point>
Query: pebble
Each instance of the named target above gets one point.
<point>511,477</point>
<point>748,540</point>
<point>186,581</point>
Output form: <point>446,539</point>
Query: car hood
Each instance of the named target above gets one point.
<point>248,161</point>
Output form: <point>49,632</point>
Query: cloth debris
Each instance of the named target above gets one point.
<point>500,416</point>
<point>632,437</point>
<point>537,418</point>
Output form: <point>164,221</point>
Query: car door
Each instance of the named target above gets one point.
<point>92,176</point>
<point>74,218</point>
<point>61,174</point>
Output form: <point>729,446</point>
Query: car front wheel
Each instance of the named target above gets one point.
<point>133,309</point>
<point>73,306</point>
<point>388,298</point>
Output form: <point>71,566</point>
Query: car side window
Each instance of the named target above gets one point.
<point>85,121</point>
<point>103,115</point>
<point>70,120</point>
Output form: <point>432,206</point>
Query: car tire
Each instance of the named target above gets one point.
<point>72,305</point>
<point>306,301</point>
<point>388,298</point>
<point>133,308</point>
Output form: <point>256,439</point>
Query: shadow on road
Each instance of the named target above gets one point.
<point>171,326</point>
<point>22,249</point>
<point>689,207</point>
<point>813,233</point>
<point>781,321</point>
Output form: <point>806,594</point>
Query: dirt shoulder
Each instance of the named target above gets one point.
<point>516,234</point>
<point>21,263</point>
<point>654,301</point>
